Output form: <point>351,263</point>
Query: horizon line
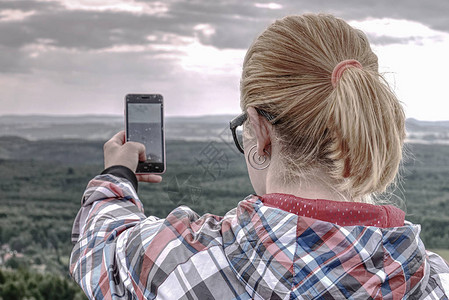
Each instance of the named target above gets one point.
<point>167,116</point>
<point>108,115</point>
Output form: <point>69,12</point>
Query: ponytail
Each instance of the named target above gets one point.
<point>368,125</point>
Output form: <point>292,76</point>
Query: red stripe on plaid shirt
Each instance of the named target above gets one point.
<point>103,282</point>
<point>396,280</point>
<point>270,245</point>
<point>159,243</point>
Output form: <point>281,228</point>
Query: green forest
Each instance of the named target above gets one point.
<point>42,184</point>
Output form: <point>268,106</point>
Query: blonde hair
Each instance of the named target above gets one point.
<point>354,131</point>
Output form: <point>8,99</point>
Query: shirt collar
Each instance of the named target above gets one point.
<point>337,212</point>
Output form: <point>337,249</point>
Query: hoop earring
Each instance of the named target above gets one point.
<point>256,161</point>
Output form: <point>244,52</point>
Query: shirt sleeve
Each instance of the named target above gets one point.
<point>123,172</point>
<point>438,285</point>
<point>110,209</point>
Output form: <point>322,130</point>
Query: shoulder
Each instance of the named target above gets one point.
<point>183,244</point>
<point>183,232</point>
<point>439,275</point>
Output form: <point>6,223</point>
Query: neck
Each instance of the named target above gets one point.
<point>317,185</point>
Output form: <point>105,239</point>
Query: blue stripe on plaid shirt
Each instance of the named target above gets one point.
<point>253,252</point>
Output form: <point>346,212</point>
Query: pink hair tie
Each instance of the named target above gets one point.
<point>341,67</point>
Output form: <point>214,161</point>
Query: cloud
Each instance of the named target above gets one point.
<point>8,15</point>
<point>432,14</point>
<point>136,7</point>
<point>58,25</point>
<point>388,31</point>
<point>270,5</point>
<point>27,5</point>
<point>189,50</point>
<point>92,83</point>
<point>86,28</point>
<point>235,23</point>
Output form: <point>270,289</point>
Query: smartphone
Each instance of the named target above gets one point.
<point>144,123</point>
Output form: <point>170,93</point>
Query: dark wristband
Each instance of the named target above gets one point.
<point>123,172</point>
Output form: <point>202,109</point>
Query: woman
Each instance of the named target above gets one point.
<point>323,135</point>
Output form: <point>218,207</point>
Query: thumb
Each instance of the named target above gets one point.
<point>149,178</point>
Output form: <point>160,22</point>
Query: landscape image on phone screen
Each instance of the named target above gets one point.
<point>144,126</point>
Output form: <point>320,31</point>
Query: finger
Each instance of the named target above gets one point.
<point>118,138</point>
<point>149,178</point>
<point>139,148</point>
<point>142,153</point>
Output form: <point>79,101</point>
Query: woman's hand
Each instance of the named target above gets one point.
<point>119,152</point>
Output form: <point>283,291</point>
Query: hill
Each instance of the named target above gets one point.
<point>178,128</point>
<point>44,170</point>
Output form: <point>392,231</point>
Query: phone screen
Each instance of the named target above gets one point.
<point>145,125</point>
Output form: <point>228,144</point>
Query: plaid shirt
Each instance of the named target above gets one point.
<point>253,252</point>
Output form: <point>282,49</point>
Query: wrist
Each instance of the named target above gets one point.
<point>123,172</point>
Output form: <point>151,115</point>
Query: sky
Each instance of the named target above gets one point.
<point>73,57</point>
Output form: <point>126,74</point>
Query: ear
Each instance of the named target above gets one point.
<point>262,128</point>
